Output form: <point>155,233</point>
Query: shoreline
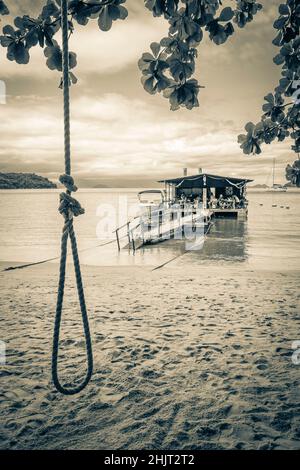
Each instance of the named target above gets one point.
<point>227,267</point>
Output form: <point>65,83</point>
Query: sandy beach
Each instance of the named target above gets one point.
<point>184,359</point>
<point>158,144</point>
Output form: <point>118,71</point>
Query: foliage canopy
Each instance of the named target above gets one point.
<point>167,69</point>
<point>281,110</point>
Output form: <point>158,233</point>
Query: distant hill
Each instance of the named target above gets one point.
<point>24,181</point>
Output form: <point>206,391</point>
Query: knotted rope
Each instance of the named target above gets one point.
<point>69,208</point>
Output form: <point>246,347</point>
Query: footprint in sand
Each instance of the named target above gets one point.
<point>261,363</point>
<point>282,422</point>
<point>206,432</point>
<point>149,373</point>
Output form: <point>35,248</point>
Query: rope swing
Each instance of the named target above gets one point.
<point>69,208</point>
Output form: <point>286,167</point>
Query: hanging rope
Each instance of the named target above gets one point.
<point>69,208</point>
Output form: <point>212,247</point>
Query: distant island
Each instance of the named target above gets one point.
<point>265,186</point>
<point>24,181</point>
<point>259,186</point>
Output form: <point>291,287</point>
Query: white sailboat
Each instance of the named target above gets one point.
<point>275,186</point>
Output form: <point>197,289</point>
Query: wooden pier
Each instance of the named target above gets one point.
<point>156,225</point>
<point>229,213</point>
<point>187,205</point>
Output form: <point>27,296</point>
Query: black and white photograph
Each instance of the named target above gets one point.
<point>150,228</point>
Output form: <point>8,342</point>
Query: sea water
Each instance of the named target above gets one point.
<point>30,231</point>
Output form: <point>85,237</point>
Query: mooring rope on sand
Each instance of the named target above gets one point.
<point>169,261</point>
<point>69,208</point>
<point>180,255</point>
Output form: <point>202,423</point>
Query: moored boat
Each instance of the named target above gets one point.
<point>276,188</point>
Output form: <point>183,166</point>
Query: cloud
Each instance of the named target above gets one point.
<point>118,131</point>
<point>98,52</point>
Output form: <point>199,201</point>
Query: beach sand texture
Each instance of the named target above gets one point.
<point>184,359</point>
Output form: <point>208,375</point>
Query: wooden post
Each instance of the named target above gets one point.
<point>118,240</point>
<point>133,242</point>
<point>150,219</point>
<point>204,198</point>
<point>128,233</point>
<point>159,223</point>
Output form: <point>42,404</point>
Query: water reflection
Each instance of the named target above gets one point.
<point>226,241</point>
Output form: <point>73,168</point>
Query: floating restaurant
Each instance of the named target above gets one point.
<point>223,196</point>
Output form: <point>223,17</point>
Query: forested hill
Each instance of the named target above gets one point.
<point>24,181</point>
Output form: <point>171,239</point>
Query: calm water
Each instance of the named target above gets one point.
<point>30,231</point>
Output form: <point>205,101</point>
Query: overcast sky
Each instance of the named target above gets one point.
<point>123,136</point>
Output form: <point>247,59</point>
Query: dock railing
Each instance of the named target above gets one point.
<point>156,223</point>
<point>129,232</point>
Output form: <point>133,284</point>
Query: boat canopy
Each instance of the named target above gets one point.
<point>151,196</point>
<point>204,180</point>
